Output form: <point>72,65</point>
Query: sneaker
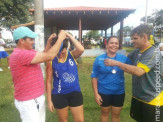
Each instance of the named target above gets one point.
<point>1,69</point>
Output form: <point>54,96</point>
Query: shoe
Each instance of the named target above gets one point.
<point>1,69</point>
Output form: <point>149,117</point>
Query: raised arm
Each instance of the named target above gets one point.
<point>49,74</point>
<point>79,49</point>
<point>52,52</point>
<point>48,45</point>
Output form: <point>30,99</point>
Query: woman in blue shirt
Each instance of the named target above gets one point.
<point>108,82</point>
<point>66,91</point>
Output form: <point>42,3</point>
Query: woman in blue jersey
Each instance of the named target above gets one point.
<point>66,93</point>
<point>108,82</point>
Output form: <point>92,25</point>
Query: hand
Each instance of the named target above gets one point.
<point>110,62</point>
<point>51,106</point>
<point>98,99</point>
<point>68,35</point>
<point>51,37</point>
<point>62,35</point>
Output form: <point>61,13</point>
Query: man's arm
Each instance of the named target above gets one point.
<point>49,55</point>
<point>126,67</point>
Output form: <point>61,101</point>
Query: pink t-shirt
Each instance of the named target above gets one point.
<point>28,79</point>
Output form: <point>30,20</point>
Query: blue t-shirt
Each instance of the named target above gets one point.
<point>65,76</point>
<point>109,83</point>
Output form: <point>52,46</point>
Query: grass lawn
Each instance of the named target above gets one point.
<point>128,49</point>
<point>91,110</point>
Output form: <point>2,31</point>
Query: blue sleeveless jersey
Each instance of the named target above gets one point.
<point>65,76</point>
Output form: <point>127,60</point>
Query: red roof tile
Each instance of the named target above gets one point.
<point>84,8</point>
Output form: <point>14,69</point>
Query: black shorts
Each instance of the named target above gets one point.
<point>72,99</point>
<point>116,100</point>
<point>143,112</point>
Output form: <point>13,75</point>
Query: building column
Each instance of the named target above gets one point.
<point>80,30</point>
<point>106,33</point>
<point>112,31</point>
<point>102,33</point>
<point>121,35</point>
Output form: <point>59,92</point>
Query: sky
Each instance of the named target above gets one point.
<point>131,20</point>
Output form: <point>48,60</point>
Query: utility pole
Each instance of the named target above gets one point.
<point>146,11</point>
<point>39,28</point>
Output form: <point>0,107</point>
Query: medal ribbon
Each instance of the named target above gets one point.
<point>113,68</point>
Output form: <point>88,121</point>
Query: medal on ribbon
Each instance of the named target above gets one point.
<point>114,71</point>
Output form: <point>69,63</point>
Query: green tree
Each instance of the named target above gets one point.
<point>155,20</point>
<point>158,23</point>
<point>93,34</point>
<point>14,12</point>
<point>126,31</point>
